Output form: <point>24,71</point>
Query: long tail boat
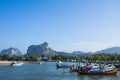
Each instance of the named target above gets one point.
<point>110,72</point>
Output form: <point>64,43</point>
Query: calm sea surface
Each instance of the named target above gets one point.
<point>46,71</point>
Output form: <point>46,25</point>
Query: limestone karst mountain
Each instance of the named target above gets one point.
<point>42,49</point>
<point>11,51</point>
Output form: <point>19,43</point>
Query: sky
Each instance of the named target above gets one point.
<point>67,25</point>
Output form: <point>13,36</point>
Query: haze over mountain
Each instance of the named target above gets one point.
<point>11,51</point>
<point>79,53</point>
<point>42,49</point>
<point>45,49</point>
<point>111,50</point>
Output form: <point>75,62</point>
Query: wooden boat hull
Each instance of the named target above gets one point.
<point>73,70</point>
<point>111,72</point>
<point>62,66</point>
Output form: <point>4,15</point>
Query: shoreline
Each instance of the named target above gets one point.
<point>9,62</point>
<point>24,62</point>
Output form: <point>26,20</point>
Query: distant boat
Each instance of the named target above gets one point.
<point>63,65</point>
<point>17,63</point>
<point>40,62</point>
<point>44,58</point>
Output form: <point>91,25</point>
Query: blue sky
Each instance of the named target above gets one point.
<point>67,25</point>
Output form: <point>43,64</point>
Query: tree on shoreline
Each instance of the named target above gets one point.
<point>91,57</point>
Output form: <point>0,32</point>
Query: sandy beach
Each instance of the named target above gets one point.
<point>9,62</point>
<point>5,62</point>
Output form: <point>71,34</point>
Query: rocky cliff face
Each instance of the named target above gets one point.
<point>11,51</point>
<point>42,49</point>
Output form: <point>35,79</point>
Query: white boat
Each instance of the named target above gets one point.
<point>40,62</point>
<point>17,63</point>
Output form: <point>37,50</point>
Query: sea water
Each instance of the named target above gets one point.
<point>47,71</point>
